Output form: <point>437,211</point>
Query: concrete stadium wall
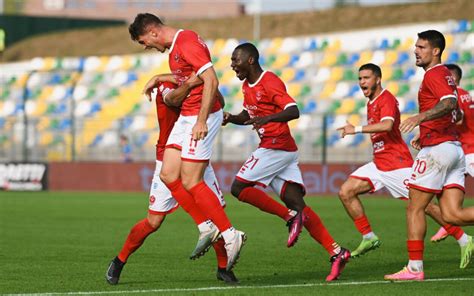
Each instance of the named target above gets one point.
<point>100,176</point>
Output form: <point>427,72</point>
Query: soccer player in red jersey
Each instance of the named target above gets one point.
<point>196,128</point>
<point>268,107</point>
<point>161,202</point>
<point>440,164</point>
<point>391,167</point>
<point>466,132</point>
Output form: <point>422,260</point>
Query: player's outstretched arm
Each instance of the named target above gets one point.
<point>445,106</point>
<point>286,115</point>
<point>176,97</point>
<point>238,119</point>
<point>385,125</point>
<point>151,84</point>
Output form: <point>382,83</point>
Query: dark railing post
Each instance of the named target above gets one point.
<point>324,139</point>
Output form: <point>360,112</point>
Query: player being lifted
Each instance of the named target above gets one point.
<point>189,146</point>
<point>391,166</point>
<point>439,166</point>
<point>466,132</point>
<point>268,107</point>
<point>161,202</point>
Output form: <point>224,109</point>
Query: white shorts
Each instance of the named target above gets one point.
<point>439,167</point>
<point>161,201</point>
<point>271,167</point>
<point>181,137</point>
<point>470,164</point>
<point>395,181</point>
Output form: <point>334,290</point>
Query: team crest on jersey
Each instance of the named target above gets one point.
<point>152,199</point>
<point>258,95</point>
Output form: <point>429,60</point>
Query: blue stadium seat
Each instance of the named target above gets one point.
<point>453,57</point>
<point>408,73</point>
<point>95,107</point>
<point>358,139</point>
<point>141,140</point>
<point>310,107</point>
<point>224,89</point>
<point>293,60</point>
<point>61,108</point>
<point>299,75</point>
<point>403,57</point>
<point>463,26</point>
<point>313,46</point>
<point>410,106</point>
<point>353,90</point>
<point>127,122</point>
<point>132,76</point>
<point>98,138</point>
<point>384,44</point>
<point>354,58</point>
<point>65,124</point>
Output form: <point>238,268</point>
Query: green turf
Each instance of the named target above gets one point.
<point>63,242</point>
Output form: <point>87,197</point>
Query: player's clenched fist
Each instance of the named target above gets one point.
<point>226,118</point>
<point>348,129</point>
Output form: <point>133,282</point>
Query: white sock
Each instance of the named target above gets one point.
<point>463,240</point>
<point>205,226</point>
<point>229,234</point>
<point>415,265</point>
<point>368,235</point>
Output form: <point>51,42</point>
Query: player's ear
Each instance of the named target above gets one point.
<point>251,60</point>
<point>436,51</point>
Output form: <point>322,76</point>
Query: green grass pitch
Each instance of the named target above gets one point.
<point>54,242</point>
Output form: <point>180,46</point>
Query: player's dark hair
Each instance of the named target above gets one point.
<point>435,39</point>
<point>455,68</point>
<point>141,22</point>
<point>372,67</point>
<point>250,49</point>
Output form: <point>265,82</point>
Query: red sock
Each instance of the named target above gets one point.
<point>135,238</point>
<point>186,201</point>
<point>454,231</point>
<point>210,206</point>
<point>261,200</point>
<point>319,232</point>
<point>362,225</point>
<point>415,249</point>
<point>221,253</point>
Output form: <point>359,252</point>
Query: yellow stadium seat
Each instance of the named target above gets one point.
<point>274,46</point>
<point>49,64</point>
<point>334,45</point>
<point>282,60</point>
<point>365,57</point>
<point>328,89</point>
<point>387,73</point>
<point>104,60</point>
<point>46,138</point>
<point>449,40</point>
<point>288,74</point>
<point>354,119</point>
<point>336,74</point>
<point>407,44</point>
<point>391,57</point>
<point>40,108</point>
<point>218,46</point>
<point>46,92</point>
<point>227,76</point>
<point>347,106</point>
<point>223,63</point>
<point>330,58</point>
<point>294,89</point>
<point>393,87</point>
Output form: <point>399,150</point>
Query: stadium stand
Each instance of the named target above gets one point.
<point>98,98</point>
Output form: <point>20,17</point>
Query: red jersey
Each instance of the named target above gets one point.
<point>166,116</point>
<point>390,150</point>
<point>437,84</point>
<point>268,96</point>
<point>188,54</point>
<point>466,129</point>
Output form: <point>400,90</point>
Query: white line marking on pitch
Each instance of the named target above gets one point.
<point>237,287</point>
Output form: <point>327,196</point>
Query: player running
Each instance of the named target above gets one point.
<point>189,146</point>
<point>268,107</point>
<point>466,132</point>
<point>162,202</point>
<point>439,166</point>
<point>391,166</point>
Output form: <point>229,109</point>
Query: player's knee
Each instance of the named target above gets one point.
<point>236,189</point>
<point>452,217</point>
<point>345,194</point>
<point>166,177</point>
<point>155,221</point>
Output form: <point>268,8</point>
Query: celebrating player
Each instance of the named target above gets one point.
<point>466,132</point>
<point>268,107</point>
<point>439,166</point>
<point>161,201</point>
<point>391,166</point>
<point>194,131</point>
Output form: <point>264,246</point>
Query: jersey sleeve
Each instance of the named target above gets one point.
<point>195,52</point>
<point>441,85</point>
<point>276,90</point>
<point>164,88</point>
<point>388,109</point>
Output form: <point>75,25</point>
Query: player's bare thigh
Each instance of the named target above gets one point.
<point>192,172</point>
<point>353,186</point>
<point>170,170</point>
